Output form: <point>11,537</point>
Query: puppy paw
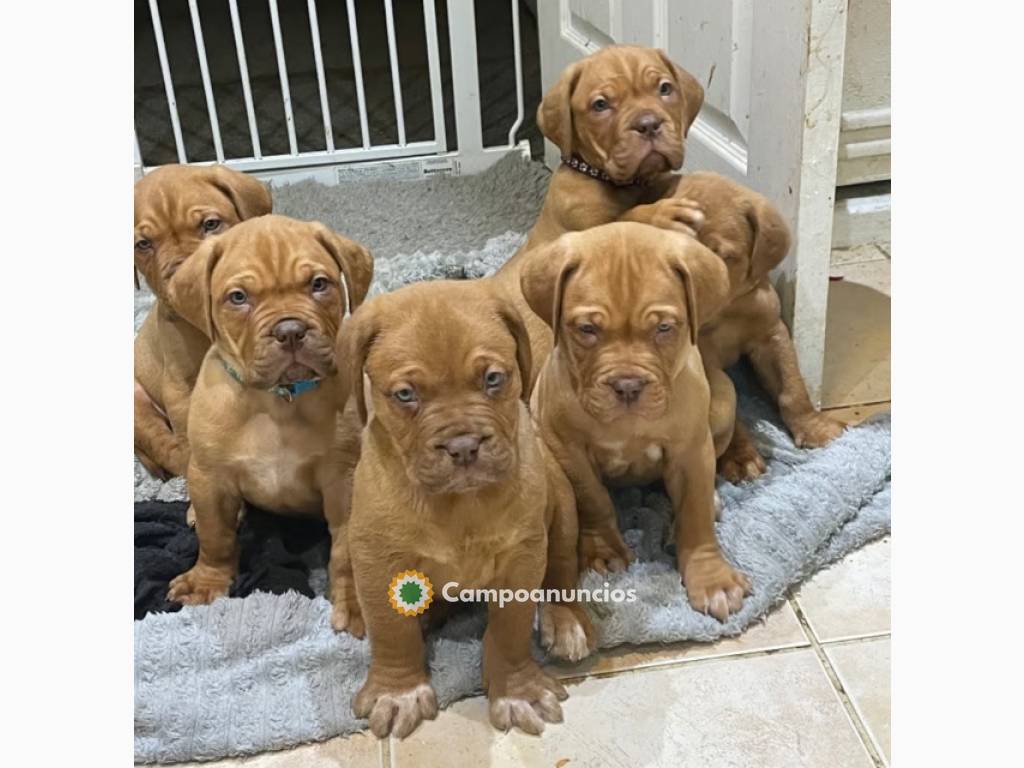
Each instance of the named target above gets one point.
<point>199,585</point>
<point>393,710</point>
<point>815,430</point>
<point>566,631</point>
<point>713,586</point>
<point>741,462</point>
<point>603,550</point>
<point>346,615</point>
<point>677,213</point>
<point>526,699</point>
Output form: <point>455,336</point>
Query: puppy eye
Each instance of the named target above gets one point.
<point>494,380</point>
<point>143,244</point>
<point>404,395</point>
<point>237,297</point>
<point>664,327</point>
<point>665,88</point>
<point>320,284</point>
<point>211,225</point>
<point>600,105</point>
<point>588,329</point>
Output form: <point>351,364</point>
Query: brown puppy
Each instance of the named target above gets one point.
<point>176,208</point>
<point>619,117</point>
<point>267,423</point>
<point>453,482</point>
<point>623,397</point>
<point>749,235</point>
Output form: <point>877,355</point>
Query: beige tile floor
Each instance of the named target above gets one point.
<point>809,686</point>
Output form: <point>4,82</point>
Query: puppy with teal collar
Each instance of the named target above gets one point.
<point>268,422</point>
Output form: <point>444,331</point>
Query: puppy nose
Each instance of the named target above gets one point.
<point>463,448</point>
<point>627,388</point>
<point>290,332</point>
<point>647,124</point>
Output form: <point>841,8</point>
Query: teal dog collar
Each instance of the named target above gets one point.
<point>285,391</point>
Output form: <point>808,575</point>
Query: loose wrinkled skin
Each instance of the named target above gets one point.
<point>627,82</point>
<point>244,289</point>
<point>177,208</point>
<point>446,363</point>
<point>623,398</point>
<point>750,236</point>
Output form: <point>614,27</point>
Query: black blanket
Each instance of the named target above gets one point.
<point>277,553</point>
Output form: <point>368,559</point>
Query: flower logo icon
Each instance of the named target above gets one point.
<point>410,593</point>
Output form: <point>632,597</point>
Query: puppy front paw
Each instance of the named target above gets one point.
<point>603,549</point>
<point>677,213</point>
<point>741,462</point>
<point>526,699</point>
<point>346,615</point>
<point>712,585</point>
<point>815,430</point>
<point>566,631</point>
<point>395,710</point>
<point>199,585</point>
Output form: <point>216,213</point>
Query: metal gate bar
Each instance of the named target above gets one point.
<point>434,67</point>
<point>357,67</point>
<point>243,73</point>
<point>165,70</point>
<point>204,71</point>
<point>396,85</point>
<point>282,71</point>
<point>325,108</point>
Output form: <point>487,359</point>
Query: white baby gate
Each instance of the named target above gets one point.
<point>406,159</point>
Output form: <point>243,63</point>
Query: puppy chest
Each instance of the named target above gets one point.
<point>629,461</point>
<point>278,471</point>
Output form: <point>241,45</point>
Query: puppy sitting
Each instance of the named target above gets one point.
<point>267,424</point>
<point>177,207</point>
<point>453,482</point>
<point>751,238</point>
<point>619,118</point>
<point>623,397</point>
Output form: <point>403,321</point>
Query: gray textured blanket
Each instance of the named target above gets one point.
<point>267,672</point>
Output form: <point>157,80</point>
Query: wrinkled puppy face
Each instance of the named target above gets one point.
<point>741,226</point>
<point>271,294</point>
<point>446,362</point>
<point>178,207</point>
<point>624,301</point>
<point>623,109</point>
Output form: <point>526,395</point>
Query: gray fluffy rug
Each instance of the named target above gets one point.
<point>267,672</point>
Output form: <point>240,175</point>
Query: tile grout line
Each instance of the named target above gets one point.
<point>677,663</point>
<point>387,759</point>
<point>837,685</point>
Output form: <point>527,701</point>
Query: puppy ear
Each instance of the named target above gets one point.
<point>691,90</point>
<point>249,196</point>
<point>189,288</point>
<point>770,237</point>
<point>554,114</point>
<point>355,338</point>
<point>543,279</point>
<point>514,322</point>
<point>705,282</point>
<point>354,261</point>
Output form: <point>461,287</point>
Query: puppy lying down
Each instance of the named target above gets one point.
<point>453,482</point>
<point>623,397</point>
<point>268,423</point>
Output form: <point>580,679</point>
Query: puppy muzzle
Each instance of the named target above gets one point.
<point>462,458</point>
<point>624,393</point>
<point>291,350</point>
